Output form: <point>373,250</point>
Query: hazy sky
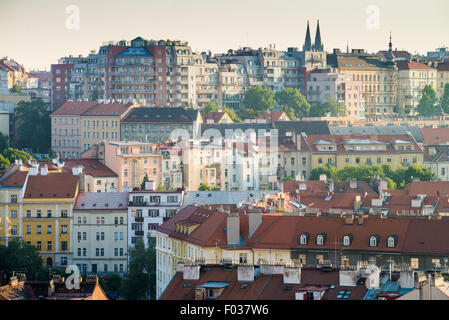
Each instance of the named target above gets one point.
<point>34,32</point>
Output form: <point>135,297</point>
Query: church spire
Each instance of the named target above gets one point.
<point>318,46</point>
<point>390,56</point>
<point>308,43</point>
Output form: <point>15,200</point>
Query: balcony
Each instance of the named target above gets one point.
<point>138,219</point>
<point>138,233</point>
<point>137,203</point>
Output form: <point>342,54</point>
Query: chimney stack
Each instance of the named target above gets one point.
<point>255,219</point>
<point>245,273</point>
<point>233,228</point>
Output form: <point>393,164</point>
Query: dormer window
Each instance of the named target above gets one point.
<point>391,241</point>
<point>304,238</point>
<point>347,239</point>
<point>373,241</point>
<point>320,239</point>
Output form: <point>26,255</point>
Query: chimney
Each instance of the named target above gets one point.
<point>349,277</point>
<point>76,171</point>
<point>271,269</point>
<point>360,220</point>
<point>33,171</point>
<point>292,275</point>
<point>372,275</point>
<point>331,185</point>
<point>245,273</point>
<point>44,170</point>
<point>383,185</point>
<point>349,219</point>
<point>191,272</point>
<point>254,219</point>
<point>298,142</point>
<point>82,182</point>
<point>150,185</point>
<point>353,183</point>
<point>323,177</point>
<point>233,228</point>
<point>407,278</point>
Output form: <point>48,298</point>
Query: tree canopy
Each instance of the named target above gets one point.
<point>427,104</point>
<point>257,100</point>
<point>32,126</point>
<point>331,106</point>
<point>398,178</point>
<point>292,102</point>
<point>444,100</point>
<point>209,107</point>
<point>13,154</point>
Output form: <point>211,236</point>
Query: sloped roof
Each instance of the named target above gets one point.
<point>108,109</point>
<point>74,108</point>
<point>160,115</point>
<point>412,65</point>
<point>91,167</point>
<point>102,200</point>
<point>435,136</point>
<point>53,185</point>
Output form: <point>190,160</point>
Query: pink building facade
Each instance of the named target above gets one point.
<point>322,83</point>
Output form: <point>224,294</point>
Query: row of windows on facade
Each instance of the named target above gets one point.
<point>94,268</point>
<point>368,160</point>
<point>347,240</point>
<point>100,236</point>
<point>158,128</point>
<point>100,220</point>
<point>64,214</point>
<point>49,245</point>
<point>154,199</point>
<point>96,123</point>
<point>39,229</point>
<point>99,252</point>
<point>138,226</point>
<point>145,171</point>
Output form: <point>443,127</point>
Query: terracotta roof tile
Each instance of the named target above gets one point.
<point>54,185</point>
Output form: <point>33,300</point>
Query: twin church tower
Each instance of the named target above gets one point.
<point>318,45</point>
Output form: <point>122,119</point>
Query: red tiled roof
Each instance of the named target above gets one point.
<point>91,167</point>
<point>429,188</point>
<point>443,66</point>
<point>435,136</point>
<point>215,116</point>
<point>412,65</point>
<point>108,109</point>
<point>271,116</point>
<point>264,287</point>
<point>14,179</point>
<point>74,108</point>
<point>54,185</point>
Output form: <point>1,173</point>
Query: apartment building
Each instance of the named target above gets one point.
<point>354,150</point>
<point>172,177</point>
<point>157,124</point>
<point>102,122</point>
<point>66,126</point>
<point>198,235</point>
<point>148,209</point>
<point>131,161</point>
<point>378,78</point>
<point>100,232</point>
<point>412,78</point>
<point>322,83</point>
<point>47,220</point>
<point>442,78</point>
<point>60,78</point>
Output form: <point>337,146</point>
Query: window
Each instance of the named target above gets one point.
<point>346,241</point>
<point>49,246</point>
<point>49,229</point>
<point>414,263</point>
<point>48,213</point>
<point>373,241</point>
<point>319,240</point>
<point>64,229</point>
<point>64,245</point>
<point>28,229</point>
<point>38,214</point>
<point>13,214</point>
<point>14,230</point>
<point>38,245</point>
<point>344,294</point>
<point>64,213</point>
<point>243,258</point>
<point>391,243</point>
<point>13,198</point>
<point>39,229</point>
<point>63,261</point>
<point>303,239</point>
<point>28,213</point>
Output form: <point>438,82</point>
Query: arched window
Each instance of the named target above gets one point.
<point>319,240</point>
<point>346,241</point>
<point>303,239</point>
<point>373,241</point>
<point>390,242</point>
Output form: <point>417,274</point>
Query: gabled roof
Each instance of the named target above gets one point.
<point>160,115</point>
<point>108,109</point>
<point>215,116</point>
<point>91,167</point>
<point>74,108</point>
<point>53,185</point>
<point>102,200</point>
<point>412,65</point>
<point>435,136</point>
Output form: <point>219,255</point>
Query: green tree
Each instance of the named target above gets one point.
<point>4,163</point>
<point>140,282</point>
<point>16,89</point>
<point>204,187</point>
<point>32,126</point>
<point>331,172</point>
<point>18,256</point>
<point>145,179</point>
<point>427,104</point>
<point>231,112</point>
<point>331,106</point>
<point>257,100</point>
<point>13,154</point>
<point>292,98</point>
<point>209,107</point>
<point>4,142</point>
<point>160,187</point>
<point>444,100</point>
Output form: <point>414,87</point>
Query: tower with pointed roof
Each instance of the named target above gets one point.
<point>308,42</point>
<point>318,46</point>
<point>390,59</point>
